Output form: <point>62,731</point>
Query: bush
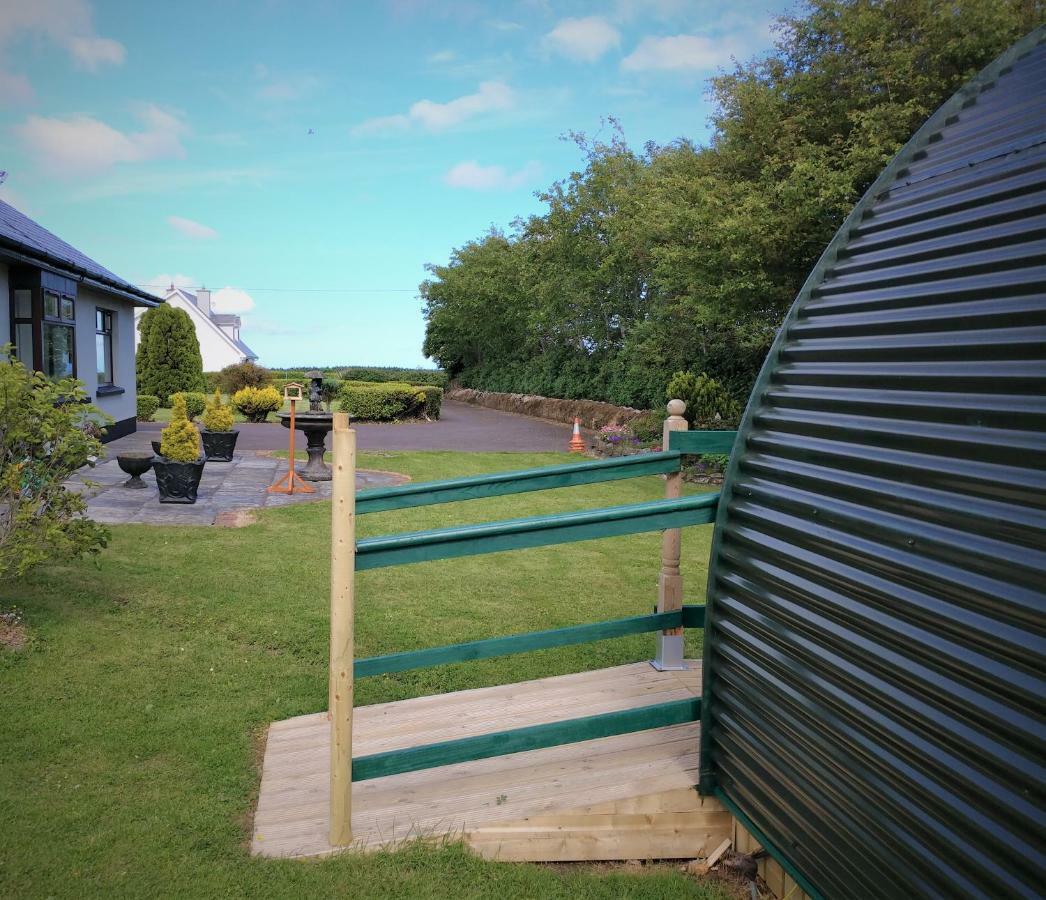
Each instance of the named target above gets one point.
<point>168,358</point>
<point>211,380</point>
<point>255,404</point>
<point>648,428</point>
<point>180,441</point>
<point>147,406</point>
<point>240,375</point>
<point>708,403</point>
<point>433,399</point>
<point>43,441</point>
<point>195,402</point>
<point>218,416</point>
<point>381,402</point>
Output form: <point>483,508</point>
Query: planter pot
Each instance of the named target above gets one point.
<point>177,481</point>
<point>156,448</point>
<point>218,446</point>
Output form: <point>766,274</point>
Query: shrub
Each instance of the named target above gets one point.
<point>168,358</point>
<point>211,380</point>
<point>255,404</point>
<point>648,428</point>
<point>393,375</point>
<point>147,406</point>
<point>180,441</point>
<point>43,441</point>
<point>381,402</point>
<point>708,403</point>
<point>240,375</point>
<point>433,399</point>
<point>195,402</point>
<point>218,416</point>
<point>617,440</point>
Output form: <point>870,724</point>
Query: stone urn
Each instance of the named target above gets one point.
<point>177,481</point>
<point>135,463</point>
<point>218,446</point>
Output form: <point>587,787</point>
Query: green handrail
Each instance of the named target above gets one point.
<point>700,442</point>
<point>537,531</point>
<point>500,483</point>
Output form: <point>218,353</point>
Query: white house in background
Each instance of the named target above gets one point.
<point>218,333</point>
<point>67,315</point>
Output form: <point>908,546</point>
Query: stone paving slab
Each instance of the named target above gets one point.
<point>224,487</point>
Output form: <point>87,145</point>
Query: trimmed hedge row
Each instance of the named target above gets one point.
<point>376,402</point>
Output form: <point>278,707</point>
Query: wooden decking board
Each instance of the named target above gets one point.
<point>610,798</point>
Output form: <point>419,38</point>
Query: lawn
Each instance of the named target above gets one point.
<point>131,721</point>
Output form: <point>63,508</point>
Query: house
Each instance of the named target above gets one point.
<point>218,333</point>
<point>67,315</point>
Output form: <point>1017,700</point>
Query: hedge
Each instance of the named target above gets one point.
<point>374,402</point>
<point>195,402</point>
<point>433,399</point>
<point>147,406</point>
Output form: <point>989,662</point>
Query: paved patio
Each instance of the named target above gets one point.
<point>224,488</point>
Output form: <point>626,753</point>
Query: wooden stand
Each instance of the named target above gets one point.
<point>343,573</point>
<point>670,582</point>
<point>292,480</point>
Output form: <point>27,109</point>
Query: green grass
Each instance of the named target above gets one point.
<point>130,723</point>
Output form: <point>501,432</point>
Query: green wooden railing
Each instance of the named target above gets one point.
<point>514,534</point>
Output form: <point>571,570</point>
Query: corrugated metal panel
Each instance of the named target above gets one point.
<point>876,644</point>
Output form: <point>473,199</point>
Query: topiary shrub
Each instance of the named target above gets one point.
<point>180,441</point>
<point>255,404</point>
<point>708,404</point>
<point>375,402</point>
<point>218,415</point>
<point>433,399</point>
<point>240,375</point>
<point>147,406</point>
<point>44,439</point>
<point>168,358</point>
<point>195,402</point>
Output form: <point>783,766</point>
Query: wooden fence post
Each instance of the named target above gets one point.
<point>670,582</point>
<point>343,567</point>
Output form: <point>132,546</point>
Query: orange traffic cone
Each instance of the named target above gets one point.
<point>577,443</point>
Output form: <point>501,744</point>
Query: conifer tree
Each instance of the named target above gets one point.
<point>169,357</point>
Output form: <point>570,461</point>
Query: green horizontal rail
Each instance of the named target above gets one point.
<point>701,441</point>
<point>518,482</point>
<point>691,616</point>
<point>537,531</point>
<point>533,737</point>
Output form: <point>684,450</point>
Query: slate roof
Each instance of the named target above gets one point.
<point>21,234</point>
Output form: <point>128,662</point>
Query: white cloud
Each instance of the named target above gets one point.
<point>67,23</point>
<point>585,40</point>
<point>443,56</point>
<point>191,229</point>
<point>492,96</point>
<point>681,52</point>
<point>80,143</point>
<point>472,176</point>
<point>231,300</point>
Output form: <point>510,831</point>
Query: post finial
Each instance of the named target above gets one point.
<point>676,407</point>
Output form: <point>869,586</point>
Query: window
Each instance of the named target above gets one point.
<point>22,332</point>
<point>103,342</point>
<point>59,336</point>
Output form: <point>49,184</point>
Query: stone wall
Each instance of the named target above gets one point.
<point>592,413</point>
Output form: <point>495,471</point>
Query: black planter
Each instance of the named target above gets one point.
<point>177,481</point>
<point>218,446</point>
<point>156,448</point>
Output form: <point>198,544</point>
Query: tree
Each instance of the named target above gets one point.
<point>46,434</point>
<point>168,359</point>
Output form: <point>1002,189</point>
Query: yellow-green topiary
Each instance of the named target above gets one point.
<point>180,441</point>
<point>217,416</point>
<point>255,404</point>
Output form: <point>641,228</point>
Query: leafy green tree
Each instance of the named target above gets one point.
<point>46,434</point>
<point>168,359</point>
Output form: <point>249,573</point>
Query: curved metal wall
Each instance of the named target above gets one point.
<point>875,646</point>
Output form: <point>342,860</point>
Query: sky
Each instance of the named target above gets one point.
<point>304,159</point>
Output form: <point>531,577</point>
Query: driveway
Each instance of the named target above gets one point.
<point>461,427</point>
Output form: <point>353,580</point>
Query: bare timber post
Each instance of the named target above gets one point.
<point>670,582</point>
<point>343,569</point>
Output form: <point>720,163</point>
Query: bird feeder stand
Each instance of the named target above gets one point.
<point>292,480</point>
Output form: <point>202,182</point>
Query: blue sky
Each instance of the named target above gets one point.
<point>306,158</point>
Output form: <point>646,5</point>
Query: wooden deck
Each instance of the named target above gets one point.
<point>623,797</point>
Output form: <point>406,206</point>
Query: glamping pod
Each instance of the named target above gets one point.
<point>874,653</point>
